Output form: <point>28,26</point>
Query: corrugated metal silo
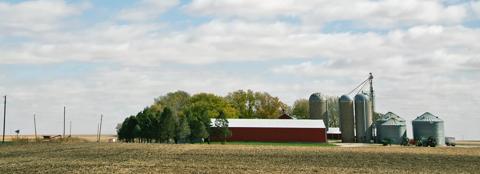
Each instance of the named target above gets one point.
<point>347,119</point>
<point>383,118</point>
<point>363,118</point>
<point>391,126</point>
<point>428,125</point>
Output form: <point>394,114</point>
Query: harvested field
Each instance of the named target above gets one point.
<point>202,158</point>
<point>468,143</point>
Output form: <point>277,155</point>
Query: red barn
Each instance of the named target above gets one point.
<point>277,130</point>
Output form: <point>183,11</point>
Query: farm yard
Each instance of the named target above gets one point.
<point>88,157</point>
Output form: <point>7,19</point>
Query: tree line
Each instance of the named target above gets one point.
<point>179,117</point>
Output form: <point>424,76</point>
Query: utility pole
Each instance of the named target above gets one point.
<point>64,112</point>
<point>35,126</point>
<point>4,116</point>
<point>327,116</point>
<point>372,99</point>
<point>70,129</point>
<point>100,128</point>
<point>372,95</point>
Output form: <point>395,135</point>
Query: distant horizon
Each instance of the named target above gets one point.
<point>115,135</point>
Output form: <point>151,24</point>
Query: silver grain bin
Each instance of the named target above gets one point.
<point>363,118</point>
<point>392,127</point>
<point>383,118</point>
<point>428,125</point>
<point>347,121</point>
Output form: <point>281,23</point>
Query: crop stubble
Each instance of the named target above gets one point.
<point>202,158</point>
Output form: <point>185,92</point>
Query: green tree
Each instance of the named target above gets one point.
<point>122,130</point>
<point>168,123</point>
<point>176,101</point>
<point>267,106</point>
<point>221,127</point>
<point>333,111</point>
<point>183,130</point>
<point>212,104</point>
<point>243,101</point>
<point>300,109</point>
<point>136,132</point>
<point>204,106</point>
<point>127,131</point>
<point>148,120</point>
<point>199,131</point>
<point>167,117</point>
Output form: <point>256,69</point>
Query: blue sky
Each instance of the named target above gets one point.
<point>114,57</point>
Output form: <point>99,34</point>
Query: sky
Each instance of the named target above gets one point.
<point>114,57</point>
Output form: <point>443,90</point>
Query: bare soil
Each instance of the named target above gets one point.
<point>203,158</point>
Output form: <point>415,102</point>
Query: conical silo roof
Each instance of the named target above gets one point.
<point>388,116</point>
<point>428,117</point>
<point>393,122</point>
<point>393,115</point>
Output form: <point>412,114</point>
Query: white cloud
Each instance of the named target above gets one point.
<point>246,9</point>
<point>373,14</point>
<point>35,16</point>
<point>475,5</point>
<point>147,10</point>
<point>227,41</point>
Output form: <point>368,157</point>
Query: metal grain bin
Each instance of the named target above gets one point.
<point>363,118</point>
<point>347,121</point>
<point>391,126</point>
<point>428,125</point>
<point>383,118</point>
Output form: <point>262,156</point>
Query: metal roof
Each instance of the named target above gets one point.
<point>393,122</point>
<point>361,98</point>
<point>316,97</point>
<point>345,98</point>
<point>428,117</point>
<point>274,123</point>
<point>333,130</point>
<point>390,115</point>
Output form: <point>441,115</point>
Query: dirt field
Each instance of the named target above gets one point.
<point>203,158</point>
<point>468,143</point>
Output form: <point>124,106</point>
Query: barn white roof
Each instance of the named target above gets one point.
<point>333,130</point>
<point>274,123</point>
